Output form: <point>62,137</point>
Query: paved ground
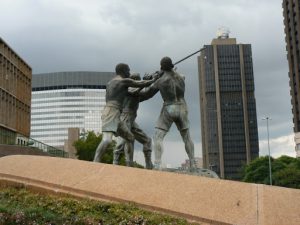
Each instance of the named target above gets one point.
<point>198,198</point>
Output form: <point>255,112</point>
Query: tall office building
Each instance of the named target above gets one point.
<point>66,100</point>
<point>15,96</point>
<point>227,104</point>
<point>291,13</point>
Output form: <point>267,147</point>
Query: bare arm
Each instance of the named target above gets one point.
<point>148,92</point>
<point>137,83</point>
<point>143,93</point>
<point>134,91</point>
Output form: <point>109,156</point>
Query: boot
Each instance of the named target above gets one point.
<point>116,158</point>
<point>193,167</point>
<point>129,163</point>
<point>148,161</point>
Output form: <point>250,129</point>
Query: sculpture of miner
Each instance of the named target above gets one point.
<point>171,86</point>
<point>129,113</point>
<point>116,91</point>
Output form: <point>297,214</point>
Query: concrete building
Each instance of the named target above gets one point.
<point>291,16</point>
<point>66,100</point>
<point>15,96</point>
<point>186,164</point>
<point>73,135</point>
<point>227,105</point>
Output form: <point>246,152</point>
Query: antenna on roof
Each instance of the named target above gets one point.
<point>223,33</point>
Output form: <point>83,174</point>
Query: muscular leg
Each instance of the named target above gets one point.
<point>124,132</point>
<point>102,147</point>
<point>158,146</point>
<point>189,146</point>
<point>146,141</point>
<point>147,149</point>
<point>128,150</point>
<point>118,150</point>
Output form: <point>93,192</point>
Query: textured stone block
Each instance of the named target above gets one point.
<point>198,198</point>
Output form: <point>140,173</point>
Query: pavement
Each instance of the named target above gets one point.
<point>199,199</point>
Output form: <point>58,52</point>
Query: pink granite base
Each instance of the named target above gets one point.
<point>196,198</point>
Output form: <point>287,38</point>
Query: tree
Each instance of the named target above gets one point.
<point>288,177</point>
<point>285,171</point>
<point>86,148</point>
<point>257,171</point>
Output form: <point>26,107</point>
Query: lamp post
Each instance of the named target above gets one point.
<point>270,166</point>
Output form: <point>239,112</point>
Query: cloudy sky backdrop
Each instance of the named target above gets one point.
<point>95,35</point>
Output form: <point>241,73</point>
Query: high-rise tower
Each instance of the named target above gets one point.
<point>15,96</point>
<point>228,108</point>
<point>291,15</point>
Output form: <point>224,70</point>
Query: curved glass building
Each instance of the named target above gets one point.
<point>66,100</point>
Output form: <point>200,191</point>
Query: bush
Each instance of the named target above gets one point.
<point>285,171</point>
<point>19,206</point>
<point>86,148</point>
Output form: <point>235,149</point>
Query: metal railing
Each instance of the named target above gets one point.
<point>8,138</point>
<point>47,148</point>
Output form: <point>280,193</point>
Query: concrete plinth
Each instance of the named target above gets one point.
<point>198,198</point>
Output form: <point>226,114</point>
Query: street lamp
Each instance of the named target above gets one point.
<point>270,167</point>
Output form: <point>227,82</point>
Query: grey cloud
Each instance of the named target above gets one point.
<point>96,35</point>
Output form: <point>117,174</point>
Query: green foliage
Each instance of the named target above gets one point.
<point>285,171</point>
<point>86,148</point>
<point>23,207</point>
<point>257,171</point>
<point>286,159</point>
<point>288,177</point>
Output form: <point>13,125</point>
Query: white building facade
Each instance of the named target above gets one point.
<point>66,100</point>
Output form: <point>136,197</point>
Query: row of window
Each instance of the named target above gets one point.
<point>55,106</point>
<point>14,113</point>
<point>231,165</point>
<point>13,80</point>
<point>60,100</point>
<point>46,129</point>
<point>7,136</point>
<point>58,118</point>
<point>70,121</point>
<point>61,112</point>
<point>71,93</point>
<point>14,58</point>
<point>68,87</point>
<point>67,115</point>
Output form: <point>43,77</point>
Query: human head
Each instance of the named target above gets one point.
<point>135,76</point>
<point>123,70</point>
<point>166,64</point>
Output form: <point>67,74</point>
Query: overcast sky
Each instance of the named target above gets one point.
<point>95,35</point>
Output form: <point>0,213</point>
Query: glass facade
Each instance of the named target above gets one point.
<point>291,14</point>
<point>228,108</point>
<point>59,106</point>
